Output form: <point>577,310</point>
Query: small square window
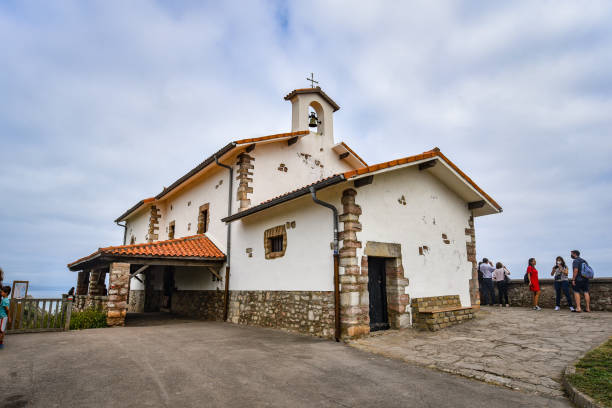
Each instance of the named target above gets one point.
<point>275,242</point>
<point>203,218</point>
<point>171,230</point>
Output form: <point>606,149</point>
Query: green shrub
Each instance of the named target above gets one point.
<point>87,319</point>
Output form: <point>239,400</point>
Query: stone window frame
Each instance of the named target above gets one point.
<point>279,230</point>
<point>171,229</point>
<point>203,224</point>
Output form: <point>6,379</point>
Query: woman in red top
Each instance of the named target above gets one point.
<point>534,283</point>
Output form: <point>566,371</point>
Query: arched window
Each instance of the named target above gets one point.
<point>316,108</point>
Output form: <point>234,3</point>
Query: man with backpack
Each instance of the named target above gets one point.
<point>580,280</point>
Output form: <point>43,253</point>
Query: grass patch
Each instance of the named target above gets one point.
<point>87,319</point>
<point>594,374</point>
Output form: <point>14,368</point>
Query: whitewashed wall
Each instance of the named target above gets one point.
<point>183,207</point>
<point>431,210</point>
<point>320,163</point>
<point>195,278</point>
<point>308,261</point>
<point>137,225</point>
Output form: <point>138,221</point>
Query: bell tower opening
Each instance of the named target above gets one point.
<point>315,124</point>
<point>313,110</point>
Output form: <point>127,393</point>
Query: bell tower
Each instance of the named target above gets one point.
<point>313,110</point>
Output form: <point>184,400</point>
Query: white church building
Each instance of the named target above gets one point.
<point>296,231</point>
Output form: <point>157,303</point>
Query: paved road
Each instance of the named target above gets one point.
<point>210,364</point>
<point>516,347</point>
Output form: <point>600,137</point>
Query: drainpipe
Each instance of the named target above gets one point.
<point>313,193</point>
<point>124,230</point>
<point>229,237</point>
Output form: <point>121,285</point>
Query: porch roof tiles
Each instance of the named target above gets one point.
<point>195,246</point>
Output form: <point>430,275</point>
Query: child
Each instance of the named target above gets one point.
<point>4,312</point>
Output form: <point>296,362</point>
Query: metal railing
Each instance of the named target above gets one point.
<point>37,315</point>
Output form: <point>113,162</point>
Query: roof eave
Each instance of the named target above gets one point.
<point>288,197</point>
<point>225,149</point>
<point>318,90</point>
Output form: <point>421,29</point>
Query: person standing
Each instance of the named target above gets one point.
<point>5,318</point>
<point>486,267</point>
<point>580,284</point>
<point>499,277</point>
<point>534,282</point>
<point>561,276</point>
<point>480,282</point>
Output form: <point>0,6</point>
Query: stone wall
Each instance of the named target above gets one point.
<point>354,297</point>
<point>470,247</point>
<point>119,281</point>
<point>84,302</point>
<point>82,283</point>
<point>136,301</point>
<point>97,286</point>
<point>245,178</point>
<point>152,232</point>
<point>199,304</point>
<point>437,312</point>
<point>600,290</point>
<point>296,311</point>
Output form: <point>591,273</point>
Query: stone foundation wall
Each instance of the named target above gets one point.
<point>600,290</point>
<point>199,304</point>
<point>136,301</point>
<point>84,302</point>
<point>296,311</point>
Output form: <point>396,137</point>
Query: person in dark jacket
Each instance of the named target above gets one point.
<point>580,284</point>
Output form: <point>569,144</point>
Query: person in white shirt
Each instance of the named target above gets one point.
<point>499,277</point>
<point>488,298</point>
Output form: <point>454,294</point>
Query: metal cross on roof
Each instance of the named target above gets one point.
<point>312,81</point>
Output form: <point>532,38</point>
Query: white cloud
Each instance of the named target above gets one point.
<point>104,103</point>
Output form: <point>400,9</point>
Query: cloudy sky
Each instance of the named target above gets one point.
<point>103,103</point>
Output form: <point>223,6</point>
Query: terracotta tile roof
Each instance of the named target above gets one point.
<point>328,181</point>
<point>135,207</point>
<point>337,178</point>
<point>298,189</point>
<point>387,164</point>
<point>353,153</point>
<point>318,90</point>
<point>271,137</point>
<point>426,155</point>
<point>469,180</point>
<point>227,148</point>
<point>195,246</point>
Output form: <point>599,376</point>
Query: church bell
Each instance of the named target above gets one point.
<point>314,122</point>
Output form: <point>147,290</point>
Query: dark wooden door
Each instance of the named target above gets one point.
<point>377,286</point>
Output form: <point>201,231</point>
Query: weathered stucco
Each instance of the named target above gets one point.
<point>406,215</point>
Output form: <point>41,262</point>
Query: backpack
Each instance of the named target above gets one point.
<point>526,277</point>
<point>586,271</point>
